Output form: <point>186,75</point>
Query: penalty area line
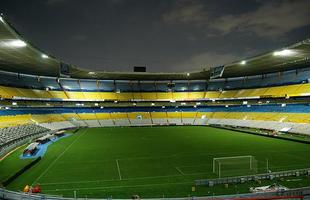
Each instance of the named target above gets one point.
<point>57,158</point>
<point>120,186</point>
<point>180,171</point>
<point>118,169</point>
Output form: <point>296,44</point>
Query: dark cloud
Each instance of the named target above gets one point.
<point>271,18</point>
<point>204,60</point>
<point>55,2</point>
<point>165,35</point>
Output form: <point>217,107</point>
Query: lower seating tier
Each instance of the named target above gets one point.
<point>275,116</point>
<point>278,91</point>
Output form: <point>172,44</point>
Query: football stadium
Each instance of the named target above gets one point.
<point>240,130</point>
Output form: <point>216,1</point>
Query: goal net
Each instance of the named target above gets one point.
<point>234,166</point>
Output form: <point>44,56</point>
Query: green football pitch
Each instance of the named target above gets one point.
<point>148,161</point>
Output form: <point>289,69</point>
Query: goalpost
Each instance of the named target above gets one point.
<point>234,166</point>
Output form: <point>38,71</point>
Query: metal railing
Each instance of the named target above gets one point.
<point>242,179</point>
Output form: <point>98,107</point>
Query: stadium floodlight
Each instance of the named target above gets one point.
<point>153,104</point>
<point>163,107</point>
<point>1,19</point>
<point>243,62</point>
<point>44,56</point>
<point>15,43</point>
<point>187,74</point>
<point>285,52</point>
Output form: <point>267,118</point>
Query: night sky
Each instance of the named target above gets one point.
<point>165,35</point>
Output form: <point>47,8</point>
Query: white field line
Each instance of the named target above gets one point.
<point>118,169</point>
<point>124,179</point>
<point>181,154</point>
<point>198,154</point>
<point>59,156</point>
<point>179,170</point>
<point>9,153</point>
<point>129,179</point>
<point>120,186</point>
<point>200,165</point>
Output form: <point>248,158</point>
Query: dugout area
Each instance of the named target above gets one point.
<point>151,161</point>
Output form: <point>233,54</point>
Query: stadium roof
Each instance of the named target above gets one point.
<point>20,56</point>
<point>291,57</point>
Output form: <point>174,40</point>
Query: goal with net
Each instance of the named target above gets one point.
<point>234,166</point>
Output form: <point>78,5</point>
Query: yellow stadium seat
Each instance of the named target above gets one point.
<point>3,93</point>
<point>27,93</point>
<point>108,95</point>
<point>275,91</point>
<point>119,116</point>
<point>158,114</point>
<point>58,94</point>
<point>164,95</point>
<point>148,95</point>
<point>14,120</point>
<point>103,116</point>
<point>87,116</point>
<point>42,94</point>
<point>203,114</point>
<point>92,95</point>
<point>137,95</point>
<point>13,92</point>
<point>134,115</point>
<point>196,95</point>
<point>212,94</point>
<point>180,95</point>
<point>188,114</point>
<point>71,116</point>
<point>125,96</point>
<point>228,94</point>
<point>304,89</point>
<point>174,115</point>
<point>75,95</point>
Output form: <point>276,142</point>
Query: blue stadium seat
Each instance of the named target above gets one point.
<point>89,85</point>
<point>49,82</point>
<point>162,86</point>
<point>123,86</point>
<point>30,81</point>
<point>135,86</point>
<point>70,84</point>
<point>180,86</point>
<point>197,85</point>
<point>216,85</point>
<point>106,85</point>
<point>147,86</point>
